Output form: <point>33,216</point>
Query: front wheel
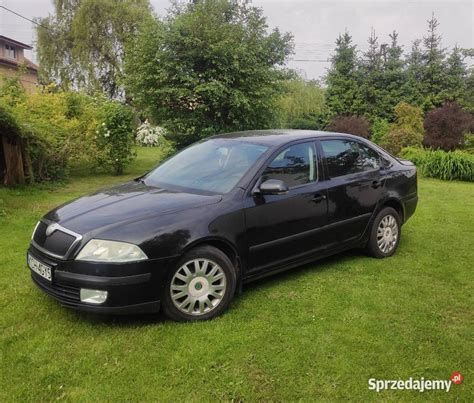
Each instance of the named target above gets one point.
<point>201,286</point>
<point>385,234</point>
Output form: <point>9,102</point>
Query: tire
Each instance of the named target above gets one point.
<point>384,234</point>
<point>202,290</point>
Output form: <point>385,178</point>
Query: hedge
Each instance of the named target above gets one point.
<point>451,165</point>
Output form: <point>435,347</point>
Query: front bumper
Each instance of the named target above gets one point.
<point>132,287</point>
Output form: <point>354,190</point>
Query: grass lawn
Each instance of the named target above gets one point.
<point>316,332</point>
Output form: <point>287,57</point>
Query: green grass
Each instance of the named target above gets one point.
<point>317,332</point>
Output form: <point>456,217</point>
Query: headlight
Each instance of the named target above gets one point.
<point>98,250</point>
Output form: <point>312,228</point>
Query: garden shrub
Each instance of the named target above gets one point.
<point>450,165</point>
<point>59,127</point>
<point>379,129</point>
<point>445,126</point>
<point>114,138</point>
<point>406,131</point>
<point>468,143</point>
<point>150,136</point>
<point>356,125</point>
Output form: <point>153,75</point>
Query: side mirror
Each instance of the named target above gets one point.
<point>272,187</point>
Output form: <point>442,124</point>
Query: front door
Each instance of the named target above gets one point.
<point>284,227</point>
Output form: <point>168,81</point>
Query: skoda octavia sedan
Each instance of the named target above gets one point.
<point>224,211</point>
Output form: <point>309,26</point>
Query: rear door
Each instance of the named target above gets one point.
<point>281,228</point>
<point>355,186</point>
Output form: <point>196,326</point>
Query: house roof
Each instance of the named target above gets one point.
<point>14,63</point>
<point>14,42</point>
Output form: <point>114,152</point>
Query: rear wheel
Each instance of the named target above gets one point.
<point>385,234</point>
<point>201,286</point>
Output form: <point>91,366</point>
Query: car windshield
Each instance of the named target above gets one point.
<point>212,166</point>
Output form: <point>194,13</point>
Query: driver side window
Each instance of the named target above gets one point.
<point>295,166</point>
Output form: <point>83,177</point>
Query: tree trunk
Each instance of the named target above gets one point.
<point>14,174</point>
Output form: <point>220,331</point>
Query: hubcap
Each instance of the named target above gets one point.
<point>198,287</point>
<point>387,234</point>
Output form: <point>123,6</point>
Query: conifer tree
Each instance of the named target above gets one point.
<point>371,79</point>
<point>457,74</point>
<point>434,76</point>
<point>414,74</point>
<point>393,79</point>
<point>343,95</point>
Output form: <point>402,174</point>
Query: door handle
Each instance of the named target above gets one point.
<point>318,198</point>
<point>376,184</point>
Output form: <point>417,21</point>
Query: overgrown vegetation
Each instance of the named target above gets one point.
<point>451,165</point>
<point>61,128</point>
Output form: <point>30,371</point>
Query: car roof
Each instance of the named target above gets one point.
<point>278,137</point>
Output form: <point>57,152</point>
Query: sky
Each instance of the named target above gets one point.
<point>315,24</point>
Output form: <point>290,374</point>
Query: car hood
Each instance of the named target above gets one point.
<point>119,205</point>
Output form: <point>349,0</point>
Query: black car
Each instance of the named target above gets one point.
<point>222,212</point>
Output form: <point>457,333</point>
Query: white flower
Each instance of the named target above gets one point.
<point>148,135</point>
<point>107,134</point>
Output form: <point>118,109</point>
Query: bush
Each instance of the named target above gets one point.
<point>451,165</point>
<point>445,126</point>
<point>148,135</point>
<point>468,143</point>
<point>57,127</point>
<point>356,125</point>
<point>115,138</point>
<point>379,129</point>
<point>406,131</point>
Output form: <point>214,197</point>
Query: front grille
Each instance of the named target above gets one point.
<point>64,293</point>
<point>58,243</point>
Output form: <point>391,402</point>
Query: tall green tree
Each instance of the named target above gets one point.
<point>343,96</point>
<point>371,72</point>
<point>414,74</point>
<point>210,66</point>
<point>393,79</point>
<point>81,46</point>
<point>456,76</point>
<point>434,75</point>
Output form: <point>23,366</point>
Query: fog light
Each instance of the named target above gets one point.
<point>93,296</point>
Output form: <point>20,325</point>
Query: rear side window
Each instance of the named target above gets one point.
<point>345,157</point>
<point>295,166</point>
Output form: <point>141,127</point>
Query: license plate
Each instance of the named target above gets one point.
<point>39,268</point>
